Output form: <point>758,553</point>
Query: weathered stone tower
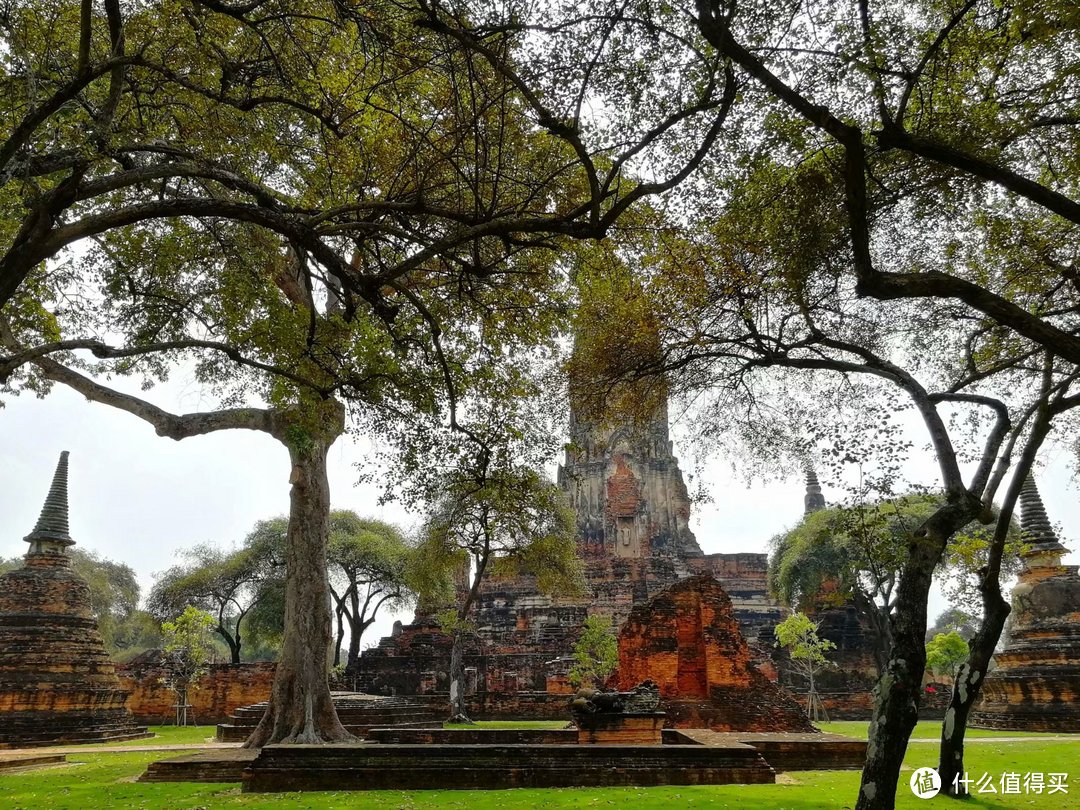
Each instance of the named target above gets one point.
<point>1036,685</point>
<point>634,540</point>
<point>813,500</point>
<point>627,489</point>
<point>57,684</point>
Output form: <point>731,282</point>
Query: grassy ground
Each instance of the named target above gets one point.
<point>176,735</point>
<point>927,730</point>
<point>104,780</point>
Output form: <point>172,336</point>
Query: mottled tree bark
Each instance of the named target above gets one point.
<point>339,637</point>
<point>967,687</point>
<point>459,712</point>
<point>972,673</point>
<point>300,708</point>
<point>356,631</point>
<point>899,689</point>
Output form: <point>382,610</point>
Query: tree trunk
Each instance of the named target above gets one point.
<point>300,708</point>
<point>458,711</point>
<point>899,689</point>
<point>967,686</point>
<point>338,639</point>
<point>356,631</point>
<point>234,645</point>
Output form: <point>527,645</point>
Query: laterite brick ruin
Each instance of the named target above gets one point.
<point>57,683</point>
<point>686,639</point>
<point>633,514</point>
<point>1036,685</point>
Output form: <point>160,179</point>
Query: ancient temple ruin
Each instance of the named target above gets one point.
<point>633,514</point>
<point>57,684</point>
<point>1036,684</point>
<point>686,640</point>
<point>846,688</point>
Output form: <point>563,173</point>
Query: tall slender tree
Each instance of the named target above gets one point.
<point>492,519</point>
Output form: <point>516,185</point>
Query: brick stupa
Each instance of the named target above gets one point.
<point>57,684</point>
<point>686,639</point>
<point>1036,685</point>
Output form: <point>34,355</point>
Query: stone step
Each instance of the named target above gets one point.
<point>346,716</point>
<point>232,733</point>
<point>18,761</point>
<point>207,766</point>
<point>44,737</point>
<point>496,767</point>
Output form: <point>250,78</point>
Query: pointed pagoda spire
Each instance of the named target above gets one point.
<point>814,500</point>
<point>1034,524</point>
<point>51,531</point>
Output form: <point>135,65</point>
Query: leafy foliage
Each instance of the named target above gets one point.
<point>369,563</point>
<point>857,553</point>
<point>596,653</point>
<point>513,521</point>
<point>225,584</point>
<point>808,652</point>
<point>945,652</point>
<point>186,653</point>
<point>954,620</point>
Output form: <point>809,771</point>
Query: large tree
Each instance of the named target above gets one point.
<point>943,137</point>
<point>858,552</point>
<point>334,200</point>
<point>368,563</point>
<point>225,584</point>
<point>778,350</point>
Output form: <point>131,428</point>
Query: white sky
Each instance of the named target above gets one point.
<point>139,498</point>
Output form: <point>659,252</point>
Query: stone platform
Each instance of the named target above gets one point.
<point>497,736</point>
<point>436,758</point>
<point>221,765</point>
<point>359,714</point>
<point>497,767</point>
<point>19,762</point>
<point>791,752</point>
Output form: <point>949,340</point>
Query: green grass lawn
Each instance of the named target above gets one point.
<point>927,730</point>
<point>166,735</point>
<point>104,780</point>
<point>176,735</point>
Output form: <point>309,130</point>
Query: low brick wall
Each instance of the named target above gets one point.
<point>222,690</point>
<point>518,705</point>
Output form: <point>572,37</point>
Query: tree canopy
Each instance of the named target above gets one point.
<point>858,552</point>
<point>492,519</point>
<point>596,653</point>
<point>225,584</point>
<point>945,652</point>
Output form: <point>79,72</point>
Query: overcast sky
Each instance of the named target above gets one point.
<point>139,498</point>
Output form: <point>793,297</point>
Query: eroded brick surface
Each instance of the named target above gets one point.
<point>57,683</point>
<point>686,639</point>
<point>634,541</point>
<point>220,691</point>
<point>1036,685</point>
